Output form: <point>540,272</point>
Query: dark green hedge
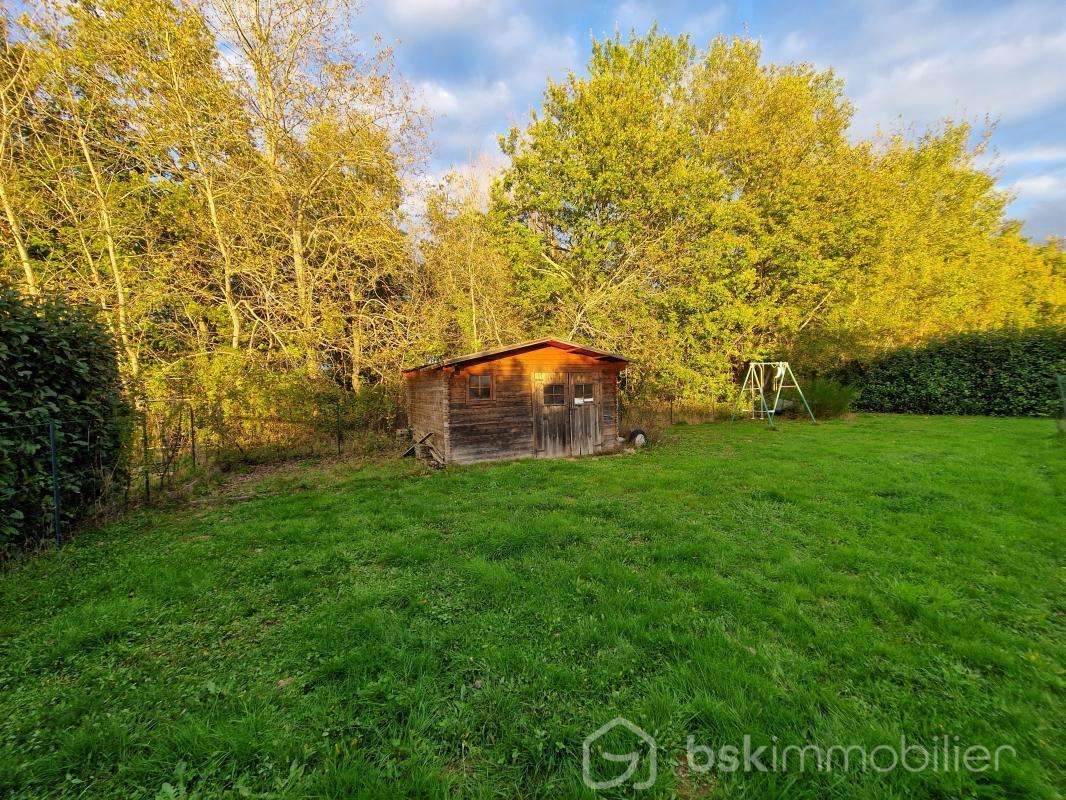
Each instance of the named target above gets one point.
<point>56,363</point>
<point>998,373</point>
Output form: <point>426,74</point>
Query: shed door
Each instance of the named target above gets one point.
<point>551,415</point>
<point>584,412</point>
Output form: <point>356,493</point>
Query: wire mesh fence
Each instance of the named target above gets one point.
<point>28,482</point>
<point>173,438</point>
<point>164,444</point>
<point>1060,379</point>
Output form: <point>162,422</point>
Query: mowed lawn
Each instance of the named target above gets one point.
<point>382,629</point>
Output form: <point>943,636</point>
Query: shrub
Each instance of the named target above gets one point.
<point>57,363</point>
<point>999,373</point>
<point>242,401</point>
<point>827,397</point>
<point>653,411</point>
<point>375,408</point>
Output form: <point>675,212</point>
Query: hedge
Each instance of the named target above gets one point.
<point>998,373</point>
<point>57,363</point>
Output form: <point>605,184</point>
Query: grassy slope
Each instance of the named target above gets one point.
<point>391,630</point>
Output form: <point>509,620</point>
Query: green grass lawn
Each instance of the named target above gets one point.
<point>386,630</point>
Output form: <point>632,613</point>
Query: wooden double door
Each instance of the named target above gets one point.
<point>566,413</point>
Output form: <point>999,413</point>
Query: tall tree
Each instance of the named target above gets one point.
<point>470,282</point>
<point>327,117</point>
<point>700,208</point>
<point>222,180</point>
<point>20,70</point>
<point>608,199</point>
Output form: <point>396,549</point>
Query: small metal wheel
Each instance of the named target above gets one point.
<point>638,438</point>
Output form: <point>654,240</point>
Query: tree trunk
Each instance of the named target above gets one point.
<point>20,244</point>
<point>304,297</point>
<point>357,341</point>
<point>212,209</point>
<point>227,263</point>
<point>470,291</point>
<point>104,215</point>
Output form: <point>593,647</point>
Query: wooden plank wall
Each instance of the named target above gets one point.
<point>427,408</point>
<point>503,426</point>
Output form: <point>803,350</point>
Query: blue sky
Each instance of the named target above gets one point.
<point>480,65</point>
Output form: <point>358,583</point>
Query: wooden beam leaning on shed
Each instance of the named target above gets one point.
<point>436,456</point>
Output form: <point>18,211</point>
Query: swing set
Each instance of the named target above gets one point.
<point>765,380</point>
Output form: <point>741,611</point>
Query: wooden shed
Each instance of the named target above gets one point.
<point>545,398</point>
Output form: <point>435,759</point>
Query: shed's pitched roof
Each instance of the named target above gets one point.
<point>522,347</point>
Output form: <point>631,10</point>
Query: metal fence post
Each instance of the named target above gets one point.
<point>192,434</point>
<point>55,484</point>
<point>339,434</point>
<point>144,456</point>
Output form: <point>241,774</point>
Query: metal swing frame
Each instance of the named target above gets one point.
<point>778,376</point>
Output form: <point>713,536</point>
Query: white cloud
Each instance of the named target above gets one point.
<point>908,64</point>
<point>431,15</point>
<point>921,61</point>
<point>634,15</point>
<point>437,98</point>
<point>480,64</point>
<point>494,59</point>
<point>1043,218</point>
<point>1040,200</point>
<point>467,117</point>
<point>530,54</point>
<point>1014,159</point>
<point>504,58</point>
<point>794,45</point>
<point>704,26</point>
<point>1040,186</point>
<point>476,101</point>
<point>1006,80</point>
<point>1031,155</point>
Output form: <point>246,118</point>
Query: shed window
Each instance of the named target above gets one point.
<point>554,394</point>
<point>479,387</point>
<point>583,393</point>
